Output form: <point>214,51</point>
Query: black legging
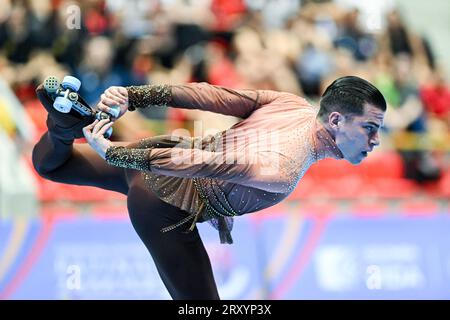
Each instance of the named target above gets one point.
<point>179,256</point>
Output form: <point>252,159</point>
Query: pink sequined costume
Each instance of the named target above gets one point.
<point>251,166</point>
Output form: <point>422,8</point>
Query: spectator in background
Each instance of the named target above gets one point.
<point>43,24</point>
<point>16,40</point>
<point>67,46</point>
<point>353,38</point>
<point>96,70</point>
<point>133,17</point>
<point>228,14</point>
<point>407,114</point>
<point>401,41</point>
<point>312,66</point>
<point>435,95</point>
<point>275,14</point>
<point>398,34</point>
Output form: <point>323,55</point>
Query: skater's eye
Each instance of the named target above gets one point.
<point>371,127</point>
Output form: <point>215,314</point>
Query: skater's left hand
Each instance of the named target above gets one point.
<point>94,134</point>
<point>114,97</point>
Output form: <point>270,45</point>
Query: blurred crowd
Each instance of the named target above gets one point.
<point>287,45</point>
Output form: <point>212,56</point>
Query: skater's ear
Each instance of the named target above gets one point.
<point>44,98</point>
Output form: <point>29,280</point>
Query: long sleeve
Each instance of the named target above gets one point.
<point>261,170</point>
<point>202,96</point>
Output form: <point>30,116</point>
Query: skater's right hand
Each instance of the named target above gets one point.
<point>114,96</point>
<point>95,136</point>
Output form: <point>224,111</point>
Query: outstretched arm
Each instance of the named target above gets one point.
<point>261,170</point>
<point>202,96</point>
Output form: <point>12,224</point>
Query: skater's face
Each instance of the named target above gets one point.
<point>357,135</point>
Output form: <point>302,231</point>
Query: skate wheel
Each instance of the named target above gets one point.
<point>115,110</point>
<point>108,133</point>
<point>71,83</point>
<point>102,115</point>
<point>51,84</point>
<point>62,104</point>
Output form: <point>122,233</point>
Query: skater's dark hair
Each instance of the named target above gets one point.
<point>348,95</point>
